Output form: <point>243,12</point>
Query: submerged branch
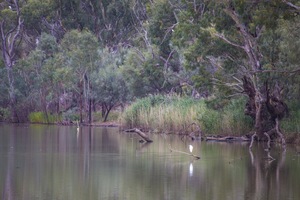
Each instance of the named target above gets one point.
<point>228,138</point>
<point>186,153</point>
<point>140,133</point>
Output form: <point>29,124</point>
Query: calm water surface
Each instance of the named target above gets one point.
<point>57,163</point>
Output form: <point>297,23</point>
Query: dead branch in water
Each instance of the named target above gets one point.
<point>140,133</point>
<point>189,154</point>
<point>227,138</point>
<point>193,131</point>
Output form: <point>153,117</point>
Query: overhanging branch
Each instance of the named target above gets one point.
<point>222,36</point>
<point>291,5</point>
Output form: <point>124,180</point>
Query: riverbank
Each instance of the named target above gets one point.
<point>291,138</point>
<point>195,118</point>
<point>201,118</point>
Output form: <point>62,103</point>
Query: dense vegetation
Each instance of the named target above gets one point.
<point>67,60</point>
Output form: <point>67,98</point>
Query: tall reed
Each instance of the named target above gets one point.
<point>163,113</point>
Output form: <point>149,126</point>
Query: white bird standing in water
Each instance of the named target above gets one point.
<point>191,148</point>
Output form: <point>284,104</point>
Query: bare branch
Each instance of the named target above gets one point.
<point>236,86</point>
<point>250,45</point>
<point>291,5</point>
<point>170,29</point>
<point>276,71</point>
<point>222,36</point>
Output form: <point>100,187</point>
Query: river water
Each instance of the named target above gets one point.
<point>41,162</point>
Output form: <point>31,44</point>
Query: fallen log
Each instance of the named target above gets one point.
<point>143,135</point>
<point>227,138</point>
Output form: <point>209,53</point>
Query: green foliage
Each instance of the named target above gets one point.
<point>161,21</point>
<point>33,13</point>
<point>9,17</point>
<point>4,114</point>
<point>109,85</point>
<point>145,73</point>
<point>40,117</point>
<point>226,118</point>
<point>112,116</point>
<point>71,115</point>
<point>291,124</point>
<point>34,74</point>
<point>116,51</point>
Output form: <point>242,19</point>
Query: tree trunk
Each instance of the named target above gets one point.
<point>57,103</point>
<point>81,101</point>
<point>90,110</point>
<point>266,108</point>
<point>12,96</point>
<point>108,109</point>
<point>103,109</point>
<point>9,38</point>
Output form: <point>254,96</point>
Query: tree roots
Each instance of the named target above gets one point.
<point>267,134</point>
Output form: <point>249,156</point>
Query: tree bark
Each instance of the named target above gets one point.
<point>9,38</point>
<point>266,108</point>
<point>90,110</point>
<point>107,111</point>
<point>81,100</point>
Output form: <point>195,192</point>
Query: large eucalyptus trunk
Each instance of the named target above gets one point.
<point>9,38</point>
<point>12,96</point>
<point>265,105</point>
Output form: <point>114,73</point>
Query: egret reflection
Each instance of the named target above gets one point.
<point>191,169</point>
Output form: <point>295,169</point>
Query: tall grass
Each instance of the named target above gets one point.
<point>163,113</point>
<point>176,114</point>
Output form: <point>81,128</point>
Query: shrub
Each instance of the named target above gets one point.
<point>4,114</point>
<point>71,115</point>
<point>40,117</point>
<point>291,124</point>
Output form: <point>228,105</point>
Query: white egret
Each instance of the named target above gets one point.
<point>191,169</point>
<point>191,148</point>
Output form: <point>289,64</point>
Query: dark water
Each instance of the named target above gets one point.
<point>57,163</point>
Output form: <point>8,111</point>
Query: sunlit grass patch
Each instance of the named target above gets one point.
<point>41,117</point>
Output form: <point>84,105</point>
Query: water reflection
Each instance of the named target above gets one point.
<point>191,169</point>
<point>265,174</point>
<point>49,162</point>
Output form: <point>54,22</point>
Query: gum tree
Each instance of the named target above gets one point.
<point>11,25</point>
<point>226,42</point>
<point>79,49</point>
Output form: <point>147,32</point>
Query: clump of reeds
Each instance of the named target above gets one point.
<point>163,113</point>
<point>176,114</point>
